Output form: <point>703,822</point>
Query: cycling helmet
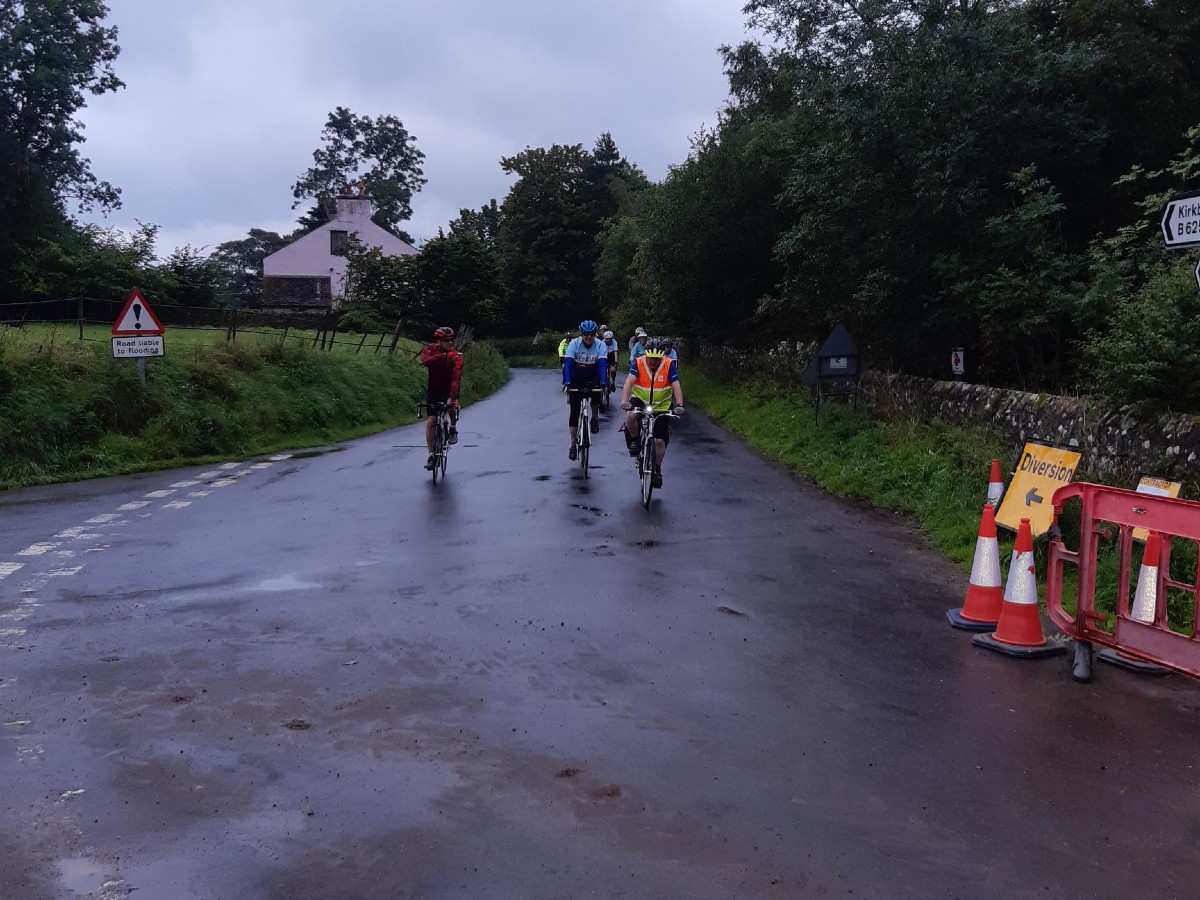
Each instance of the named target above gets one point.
<point>603,328</point>
<point>654,347</point>
<point>444,332</point>
<point>588,326</point>
<point>608,335</point>
<point>639,330</point>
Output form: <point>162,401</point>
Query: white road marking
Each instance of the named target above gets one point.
<point>136,504</point>
<point>71,571</point>
<point>101,520</point>
<point>262,465</point>
<point>204,476</point>
<point>7,568</point>
<point>177,504</point>
<point>64,554</point>
<point>183,484</point>
<point>230,465</point>
<point>20,722</point>
<point>280,457</point>
<point>199,493</point>
<point>241,474</point>
<point>71,532</point>
<point>39,549</point>
<point>157,495</point>
<point>68,794</point>
<point>222,482</point>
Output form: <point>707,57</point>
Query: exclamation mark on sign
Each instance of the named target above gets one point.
<point>137,315</point>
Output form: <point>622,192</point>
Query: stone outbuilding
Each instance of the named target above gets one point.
<point>308,275</point>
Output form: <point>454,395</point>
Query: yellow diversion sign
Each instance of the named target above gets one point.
<point>1041,471</point>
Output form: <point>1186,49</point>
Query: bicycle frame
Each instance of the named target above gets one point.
<point>583,433</point>
<point>648,448</point>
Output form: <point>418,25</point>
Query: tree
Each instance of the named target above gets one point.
<point>548,230</point>
<point>240,264</point>
<point>382,290</point>
<point>52,54</point>
<point>379,152</point>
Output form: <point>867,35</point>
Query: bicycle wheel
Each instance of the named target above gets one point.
<point>444,458</point>
<point>438,451</point>
<point>585,445</point>
<point>647,459</point>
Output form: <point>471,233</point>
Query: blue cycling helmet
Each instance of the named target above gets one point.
<point>587,326</point>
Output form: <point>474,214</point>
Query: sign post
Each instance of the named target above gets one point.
<point>957,363</point>
<point>137,333</point>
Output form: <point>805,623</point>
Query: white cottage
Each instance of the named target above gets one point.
<point>309,273</point>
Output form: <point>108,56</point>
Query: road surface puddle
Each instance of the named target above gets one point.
<point>285,583</point>
<point>81,875</point>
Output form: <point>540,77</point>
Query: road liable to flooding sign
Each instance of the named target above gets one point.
<point>1181,221</point>
<point>137,347</point>
<point>1040,472</point>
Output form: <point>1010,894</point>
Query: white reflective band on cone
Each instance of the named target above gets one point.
<point>995,489</point>
<point>985,570</point>
<point>1022,583</point>
<point>1145,598</point>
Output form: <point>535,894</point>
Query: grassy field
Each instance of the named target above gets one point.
<point>933,472</point>
<point>69,411</point>
<point>344,342</point>
<point>521,353</point>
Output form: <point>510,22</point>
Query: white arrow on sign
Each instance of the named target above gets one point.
<point>1198,273</point>
<point>1181,222</point>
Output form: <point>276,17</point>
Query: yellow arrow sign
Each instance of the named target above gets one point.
<point>1040,472</point>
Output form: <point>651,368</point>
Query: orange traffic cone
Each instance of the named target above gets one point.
<point>995,485</point>
<point>981,610</point>
<point>1019,631</point>
<point>1142,608</point>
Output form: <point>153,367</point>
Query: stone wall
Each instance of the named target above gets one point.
<point>1117,444</point>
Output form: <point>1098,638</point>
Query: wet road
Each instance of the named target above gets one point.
<point>322,677</point>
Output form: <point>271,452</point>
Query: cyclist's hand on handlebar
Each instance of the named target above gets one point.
<point>454,404</point>
<point>678,410</point>
<point>566,387</point>
<point>627,406</point>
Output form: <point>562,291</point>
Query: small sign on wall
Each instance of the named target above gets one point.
<point>957,364</point>
<point>1159,487</point>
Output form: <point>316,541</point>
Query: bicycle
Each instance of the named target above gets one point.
<point>441,435</point>
<point>583,433</point>
<point>647,448</point>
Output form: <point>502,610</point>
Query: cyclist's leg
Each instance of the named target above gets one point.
<point>633,425</point>
<point>573,398</point>
<point>595,396</point>
<point>662,437</point>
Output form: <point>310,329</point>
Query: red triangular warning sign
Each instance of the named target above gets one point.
<point>136,318</point>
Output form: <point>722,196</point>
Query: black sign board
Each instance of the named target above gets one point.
<point>836,369</point>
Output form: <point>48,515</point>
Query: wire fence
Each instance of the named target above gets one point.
<point>319,330</point>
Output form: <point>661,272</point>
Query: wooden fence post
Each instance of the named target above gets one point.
<point>395,338</point>
<point>360,344</point>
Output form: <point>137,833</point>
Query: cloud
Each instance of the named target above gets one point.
<point>225,100</point>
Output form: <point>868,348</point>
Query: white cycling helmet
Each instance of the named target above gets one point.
<point>608,335</point>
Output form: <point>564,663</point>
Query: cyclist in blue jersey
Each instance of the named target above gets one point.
<point>585,367</point>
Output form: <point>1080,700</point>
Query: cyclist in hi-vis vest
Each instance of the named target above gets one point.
<point>653,382</point>
<point>585,366</point>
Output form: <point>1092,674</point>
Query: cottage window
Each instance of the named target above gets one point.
<point>339,242</point>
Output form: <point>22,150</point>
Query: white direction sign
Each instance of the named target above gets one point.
<point>1198,273</point>
<point>137,347</point>
<point>1181,221</point>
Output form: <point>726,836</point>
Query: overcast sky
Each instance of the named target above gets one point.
<point>225,99</point>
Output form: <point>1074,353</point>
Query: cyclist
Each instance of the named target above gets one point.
<point>445,374</point>
<point>638,347</point>
<point>654,382</point>
<point>562,348</point>
<point>638,333</point>
<point>669,348</point>
<point>585,366</point>
<point>611,345</point>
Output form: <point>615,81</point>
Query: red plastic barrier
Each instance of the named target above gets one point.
<point>1151,641</point>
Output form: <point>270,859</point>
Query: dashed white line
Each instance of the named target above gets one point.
<point>183,484</point>
<point>204,476</point>
<point>8,568</point>
<point>39,549</point>
<point>136,504</point>
<point>222,482</point>
<point>158,495</point>
<point>199,493</point>
<point>177,504</point>
<point>262,465</point>
<point>280,457</point>
<point>101,520</point>
<point>71,571</point>
<point>230,465</point>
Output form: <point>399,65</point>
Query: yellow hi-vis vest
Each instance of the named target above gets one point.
<point>653,388</point>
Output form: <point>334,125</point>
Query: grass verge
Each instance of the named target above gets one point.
<point>70,411</point>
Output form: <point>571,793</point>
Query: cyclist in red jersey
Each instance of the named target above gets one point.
<point>445,373</point>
